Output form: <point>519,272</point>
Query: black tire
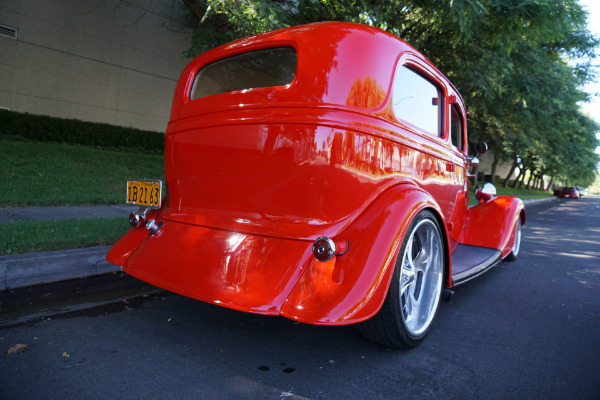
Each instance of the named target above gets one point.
<point>512,256</point>
<point>414,294</point>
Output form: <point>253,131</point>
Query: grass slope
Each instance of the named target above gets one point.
<point>30,236</point>
<point>48,174</point>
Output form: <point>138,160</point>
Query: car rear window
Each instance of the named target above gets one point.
<point>256,69</point>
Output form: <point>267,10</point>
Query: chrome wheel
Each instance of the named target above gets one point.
<point>512,256</point>
<point>422,267</point>
<point>414,295</point>
<point>517,246</point>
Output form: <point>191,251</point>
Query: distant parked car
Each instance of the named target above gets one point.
<point>569,193</point>
<point>320,173</point>
<point>580,190</point>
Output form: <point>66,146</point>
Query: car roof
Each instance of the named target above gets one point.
<point>337,63</point>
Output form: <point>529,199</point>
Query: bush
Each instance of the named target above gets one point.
<point>39,128</point>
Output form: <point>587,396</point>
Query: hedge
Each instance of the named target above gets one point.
<point>39,128</point>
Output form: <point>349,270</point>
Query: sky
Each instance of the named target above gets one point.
<point>593,108</point>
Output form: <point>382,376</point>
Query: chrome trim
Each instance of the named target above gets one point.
<point>473,161</point>
<point>488,188</point>
<point>136,219</point>
<point>324,249</point>
<point>139,217</point>
<point>152,226</point>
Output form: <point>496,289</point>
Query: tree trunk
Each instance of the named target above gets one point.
<point>542,182</point>
<point>529,180</point>
<point>522,179</point>
<point>518,178</point>
<point>514,166</point>
<point>551,183</point>
<point>474,172</point>
<point>196,8</point>
<point>494,166</point>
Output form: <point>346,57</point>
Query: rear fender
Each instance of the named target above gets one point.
<point>125,246</point>
<point>352,287</point>
<point>493,223</point>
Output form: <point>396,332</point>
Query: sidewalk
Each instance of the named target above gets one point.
<point>29,269</point>
<point>10,214</point>
<point>23,270</point>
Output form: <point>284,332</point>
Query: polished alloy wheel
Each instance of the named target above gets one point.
<point>514,252</point>
<point>421,276</point>
<point>414,294</point>
<point>517,246</point>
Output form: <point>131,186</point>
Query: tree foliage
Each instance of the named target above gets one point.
<point>519,64</point>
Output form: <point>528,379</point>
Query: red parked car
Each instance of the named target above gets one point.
<point>569,193</point>
<point>318,172</point>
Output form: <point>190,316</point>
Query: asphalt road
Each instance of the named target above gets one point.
<point>529,329</point>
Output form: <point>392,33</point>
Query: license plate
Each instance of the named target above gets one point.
<point>144,192</point>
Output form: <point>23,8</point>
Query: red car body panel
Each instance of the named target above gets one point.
<point>492,224</point>
<point>255,176</point>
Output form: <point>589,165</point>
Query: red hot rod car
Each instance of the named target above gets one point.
<point>319,172</point>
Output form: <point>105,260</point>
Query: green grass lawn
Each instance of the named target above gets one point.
<point>30,236</point>
<point>523,194</point>
<point>48,174</point>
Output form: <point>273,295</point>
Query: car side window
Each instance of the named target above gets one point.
<point>456,128</point>
<point>417,101</point>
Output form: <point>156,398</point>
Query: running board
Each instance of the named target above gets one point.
<point>469,262</point>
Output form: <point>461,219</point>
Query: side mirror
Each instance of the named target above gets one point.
<point>489,188</point>
<point>486,193</point>
<point>482,148</point>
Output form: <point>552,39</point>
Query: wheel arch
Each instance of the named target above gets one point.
<point>359,280</point>
<point>447,279</point>
<point>491,224</point>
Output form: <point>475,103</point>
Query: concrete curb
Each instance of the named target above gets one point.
<point>30,269</point>
<point>543,200</point>
<point>11,214</point>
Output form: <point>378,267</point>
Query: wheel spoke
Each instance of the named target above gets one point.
<point>421,251</point>
<point>408,263</point>
<point>426,251</point>
<point>407,276</point>
<point>407,281</point>
<point>408,310</point>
